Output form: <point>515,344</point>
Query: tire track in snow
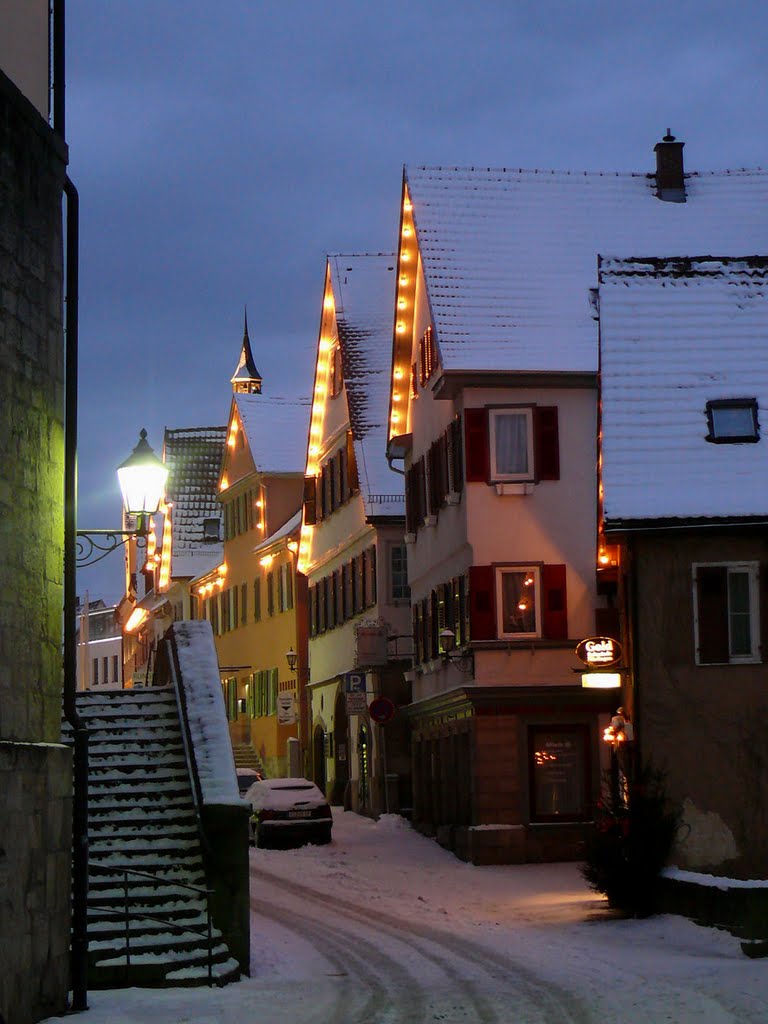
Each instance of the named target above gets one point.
<point>343,951</point>
<point>548,1002</point>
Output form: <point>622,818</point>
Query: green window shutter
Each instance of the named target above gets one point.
<point>273,685</point>
<point>251,696</point>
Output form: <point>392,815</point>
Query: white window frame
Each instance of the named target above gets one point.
<point>511,410</point>
<point>501,571</point>
<point>392,547</point>
<point>753,569</point>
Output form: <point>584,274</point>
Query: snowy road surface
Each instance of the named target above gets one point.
<point>384,927</point>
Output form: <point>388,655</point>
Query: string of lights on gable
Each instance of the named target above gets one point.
<point>406,299</point>
<point>322,377</point>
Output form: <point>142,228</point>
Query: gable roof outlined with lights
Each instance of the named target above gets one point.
<point>509,256</point>
<point>676,334</point>
<point>364,292</point>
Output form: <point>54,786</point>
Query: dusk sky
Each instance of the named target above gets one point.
<point>222,149</point>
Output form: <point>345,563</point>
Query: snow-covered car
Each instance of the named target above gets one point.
<point>246,778</point>
<point>287,810</point>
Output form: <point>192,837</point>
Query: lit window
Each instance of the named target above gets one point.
<point>511,444</point>
<point>726,613</point>
<point>732,421</point>
<point>559,775</point>
<point>518,602</point>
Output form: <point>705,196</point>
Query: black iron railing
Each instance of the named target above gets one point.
<point>206,933</point>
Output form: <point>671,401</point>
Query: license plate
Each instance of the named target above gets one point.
<point>299,814</point>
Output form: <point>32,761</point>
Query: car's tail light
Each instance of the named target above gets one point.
<point>264,815</point>
<point>324,811</point>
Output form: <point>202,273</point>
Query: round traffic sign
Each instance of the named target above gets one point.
<point>381,710</point>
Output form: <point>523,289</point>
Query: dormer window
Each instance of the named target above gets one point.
<point>732,421</point>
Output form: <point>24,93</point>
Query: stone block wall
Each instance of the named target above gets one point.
<point>35,868</point>
<point>35,772</point>
<point>32,168</point>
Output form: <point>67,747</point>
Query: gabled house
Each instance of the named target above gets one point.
<point>684,394</point>
<point>352,548</point>
<point>189,543</point>
<point>493,412</point>
<point>254,598</point>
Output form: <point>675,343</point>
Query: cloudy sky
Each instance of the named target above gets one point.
<point>222,147</point>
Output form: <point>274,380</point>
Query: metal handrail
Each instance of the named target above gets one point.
<point>207,933</point>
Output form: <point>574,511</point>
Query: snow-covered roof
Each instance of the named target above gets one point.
<point>277,430</point>
<point>289,527</point>
<point>676,334</point>
<point>509,255</point>
<point>364,292</point>
<point>193,456</point>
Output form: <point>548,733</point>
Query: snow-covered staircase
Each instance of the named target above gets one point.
<point>246,757</point>
<point>144,840</point>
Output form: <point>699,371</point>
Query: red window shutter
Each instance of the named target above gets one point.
<point>712,609</point>
<point>482,603</point>
<point>554,604</point>
<point>476,443</point>
<point>546,442</point>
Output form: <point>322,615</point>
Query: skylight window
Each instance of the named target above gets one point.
<point>732,420</point>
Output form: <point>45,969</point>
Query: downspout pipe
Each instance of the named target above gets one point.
<point>79,924</point>
<point>79,936</point>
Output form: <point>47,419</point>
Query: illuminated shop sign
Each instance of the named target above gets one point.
<point>599,651</point>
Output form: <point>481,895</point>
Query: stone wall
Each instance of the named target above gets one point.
<point>32,168</point>
<point>35,773</point>
<point>35,861</point>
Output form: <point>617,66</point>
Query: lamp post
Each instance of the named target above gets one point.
<point>142,480</point>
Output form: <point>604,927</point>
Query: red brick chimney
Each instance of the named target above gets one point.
<point>670,179</point>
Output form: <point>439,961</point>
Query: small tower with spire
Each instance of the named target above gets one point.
<point>246,379</point>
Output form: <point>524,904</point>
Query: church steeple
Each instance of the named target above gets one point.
<point>247,379</point>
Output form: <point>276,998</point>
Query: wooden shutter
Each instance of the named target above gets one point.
<point>319,497</point>
<point>410,500</point>
<point>554,606</point>
<point>476,443</point>
<point>342,473</point>
<point>312,598</point>
<point>420,491</point>
<point>712,610</point>
<point>546,442</point>
<point>310,500</point>
<point>482,603</point>
<point>416,634</point>
<point>354,483</point>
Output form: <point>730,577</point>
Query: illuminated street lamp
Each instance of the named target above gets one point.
<point>292,658</point>
<point>142,481</point>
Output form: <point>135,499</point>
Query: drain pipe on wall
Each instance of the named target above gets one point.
<point>79,936</point>
<point>79,925</point>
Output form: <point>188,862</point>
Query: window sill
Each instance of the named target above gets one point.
<point>504,489</point>
<point>409,538</point>
<point>430,521</point>
<point>453,497</point>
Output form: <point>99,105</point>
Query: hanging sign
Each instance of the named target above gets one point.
<point>599,651</point>
<point>286,708</point>
<point>370,646</point>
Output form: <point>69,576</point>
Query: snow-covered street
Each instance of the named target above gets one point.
<point>384,926</point>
